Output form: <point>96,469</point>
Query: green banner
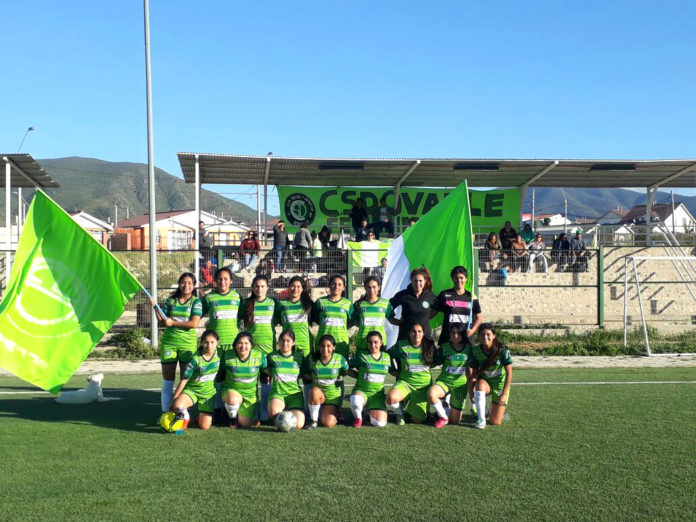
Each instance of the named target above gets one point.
<point>65,292</point>
<point>331,206</point>
<point>366,255</point>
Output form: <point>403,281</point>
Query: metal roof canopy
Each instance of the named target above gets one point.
<point>429,172</point>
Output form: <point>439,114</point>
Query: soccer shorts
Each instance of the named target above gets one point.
<point>205,404</point>
<point>417,405</point>
<point>248,407</point>
<point>457,395</point>
<point>374,400</point>
<point>172,354</point>
<point>293,401</point>
<point>332,396</point>
<point>497,386</point>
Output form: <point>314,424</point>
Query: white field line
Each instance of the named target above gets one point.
<point>348,386</point>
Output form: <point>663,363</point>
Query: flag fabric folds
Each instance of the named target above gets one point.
<point>65,292</point>
<point>440,240</point>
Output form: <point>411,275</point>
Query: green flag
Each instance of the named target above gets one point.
<point>65,292</point>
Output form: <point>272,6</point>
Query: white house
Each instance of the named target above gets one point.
<point>612,217</point>
<point>97,228</point>
<point>554,220</point>
<point>679,222</point>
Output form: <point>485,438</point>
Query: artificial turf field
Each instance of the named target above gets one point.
<point>593,451</point>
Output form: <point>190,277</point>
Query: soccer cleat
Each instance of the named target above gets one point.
<point>257,423</point>
<point>480,424</point>
<point>311,426</point>
<point>441,422</point>
<point>400,420</point>
<point>357,422</point>
<point>234,424</point>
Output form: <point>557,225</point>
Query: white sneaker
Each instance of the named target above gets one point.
<point>480,424</point>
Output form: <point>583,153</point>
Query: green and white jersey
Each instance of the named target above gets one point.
<point>454,364</point>
<point>324,376</point>
<point>285,370</point>
<point>370,317</point>
<point>201,375</point>
<point>223,311</point>
<point>293,317</point>
<point>262,328</point>
<point>181,312</point>
<point>371,372</point>
<point>333,318</point>
<point>414,371</point>
<point>242,375</point>
<point>497,369</point>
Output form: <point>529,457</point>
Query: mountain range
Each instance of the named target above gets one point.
<point>95,186</point>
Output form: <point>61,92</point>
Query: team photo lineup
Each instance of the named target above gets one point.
<point>240,374</point>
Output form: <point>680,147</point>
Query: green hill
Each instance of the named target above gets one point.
<point>95,186</point>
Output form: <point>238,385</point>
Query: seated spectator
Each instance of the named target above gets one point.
<point>528,234</point>
<point>265,268</point>
<point>325,237</point>
<point>250,248</point>
<point>536,252</point>
<point>492,251</point>
<point>383,221</point>
<point>560,252</point>
<point>579,255</point>
<point>519,254</point>
<point>207,274</point>
<point>507,235</point>
<point>361,231</point>
<point>358,214</point>
<point>380,270</point>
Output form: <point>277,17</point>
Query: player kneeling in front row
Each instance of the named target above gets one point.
<point>325,367</point>
<point>370,369</point>
<point>492,375</point>
<point>454,358</point>
<point>197,384</point>
<point>285,366</point>
<point>242,366</point>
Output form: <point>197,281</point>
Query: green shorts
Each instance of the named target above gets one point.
<point>205,404</point>
<point>293,401</point>
<point>248,406</point>
<point>457,395</point>
<point>497,385</point>
<point>417,405</point>
<point>374,400</point>
<point>172,354</point>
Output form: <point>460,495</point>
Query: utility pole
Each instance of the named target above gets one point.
<point>565,212</point>
<point>115,215</point>
<point>258,211</point>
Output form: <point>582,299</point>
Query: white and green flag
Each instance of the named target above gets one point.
<point>65,292</point>
<point>440,240</point>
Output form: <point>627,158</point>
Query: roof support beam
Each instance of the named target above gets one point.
<point>21,172</point>
<point>397,186</point>
<point>673,176</point>
<point>535,177</point>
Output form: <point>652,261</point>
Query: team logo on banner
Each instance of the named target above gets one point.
<point>299,209</point>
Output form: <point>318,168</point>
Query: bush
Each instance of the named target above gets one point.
<point>132,346</point>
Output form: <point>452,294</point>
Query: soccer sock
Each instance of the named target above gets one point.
<point>376,423</point>
<point>314,412</point>
<point>357,403</point>
<point>480,401</point>
<point>186,415</point>
<point>167,394</point>
<point>232,410</point>
<point>440,409</point>
<point>396,408</point>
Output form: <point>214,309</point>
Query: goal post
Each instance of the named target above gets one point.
<point>668,283</point>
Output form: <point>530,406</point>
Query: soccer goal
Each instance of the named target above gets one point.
<point>658,289</point>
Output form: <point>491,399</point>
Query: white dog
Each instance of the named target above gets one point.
<point>92,393</point>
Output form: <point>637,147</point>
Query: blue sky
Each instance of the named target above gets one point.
<point>548,79</point>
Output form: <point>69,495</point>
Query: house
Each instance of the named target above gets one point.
<point>98,229</point>
<point>611,217</point>
<point>175,230</point>
<point>680,222</point>
<point>548,220</point>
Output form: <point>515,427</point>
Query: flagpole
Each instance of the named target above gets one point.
<point>151,177</point>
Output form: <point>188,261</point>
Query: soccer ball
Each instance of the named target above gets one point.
<point>286,421</point>
<point>171,422</point>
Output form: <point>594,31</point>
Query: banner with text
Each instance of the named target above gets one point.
<point>331,206</point>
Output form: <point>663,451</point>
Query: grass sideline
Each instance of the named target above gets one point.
<point>580,452</point>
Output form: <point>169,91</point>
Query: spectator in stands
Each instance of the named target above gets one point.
<point>362,231</point>
<point>380,270</point>
<point>412,221</point>
<point>560,252</point>
<point>527,234</point>
<point>205,240</point>
<point>358,214</point>
<point>316,252</point>
<point>536,252</point>
<point>492,251</point>
<point>507,235</point>
<point>303,243</point>
<point>250,248</point>
<point>579,255</point>
<point>280,239</point>
<point>265,268</point>
<point>519,254</point>
<point>207,274</point>
<point>325,237</point>
<point>383,221</point>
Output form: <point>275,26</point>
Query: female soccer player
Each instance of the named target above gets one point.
<point>413,360</point>
<point>454,358</point>
<point>222,307</point>
<point>285,366</point>
<point>370,368</point>
<point>416,302</point>
<point>183,315</point>
<point>197,382</point>
<point>332,313</point>
<point>294,313</point>
<point>259,317</point>
<point>242,366</point>
<point>458,306</point>
<point>369,313</point>
<point>491,375</point>
<point>325,366</point>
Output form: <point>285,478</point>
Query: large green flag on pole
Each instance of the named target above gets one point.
<point>65,292</point>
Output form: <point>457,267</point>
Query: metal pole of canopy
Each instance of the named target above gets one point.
<point>8,182</point>
<point>265,197</point>
<point>197,228</point>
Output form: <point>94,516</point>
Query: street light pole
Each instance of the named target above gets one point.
<point>29,129</point>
